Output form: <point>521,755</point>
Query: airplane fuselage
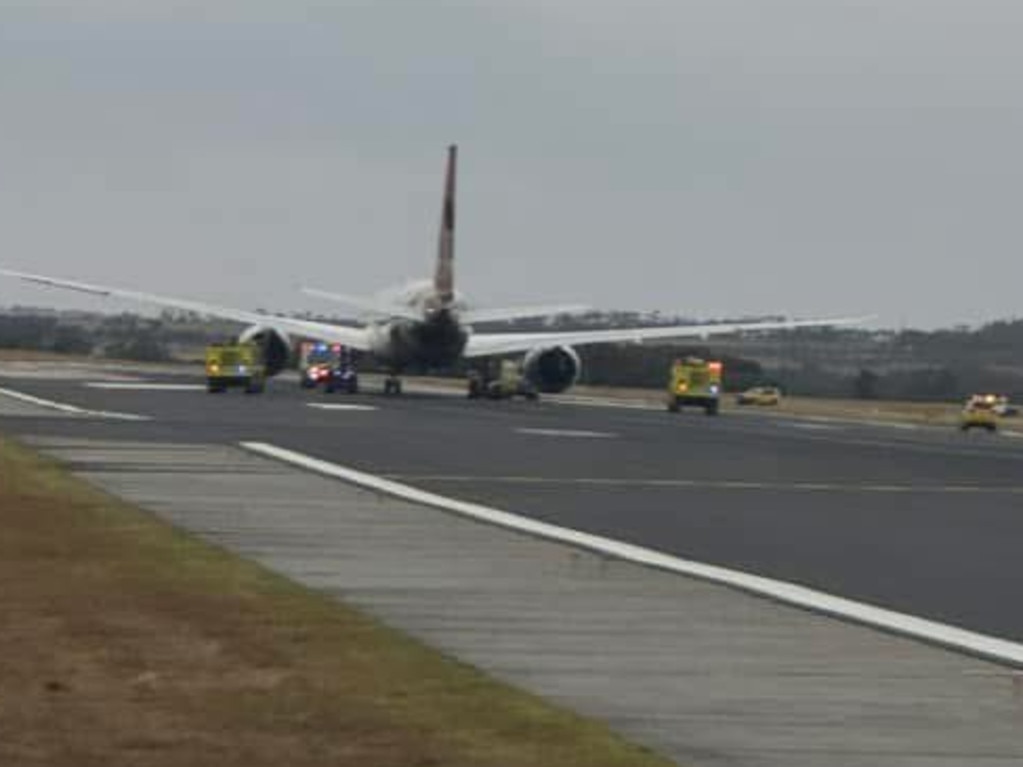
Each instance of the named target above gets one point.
<point>436,341</point>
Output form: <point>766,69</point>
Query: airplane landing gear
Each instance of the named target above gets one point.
<point>392,385</point>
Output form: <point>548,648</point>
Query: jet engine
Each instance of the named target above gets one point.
<point>275,345</point>
<point>553,369</point>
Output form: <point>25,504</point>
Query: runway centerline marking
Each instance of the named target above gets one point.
<point>812,426</point>
<point>340,406</point>
<point>568,433</point>
<point>954,637</point>
<point>71,409</point>
<point>142,386</point>
<point>708,484</point>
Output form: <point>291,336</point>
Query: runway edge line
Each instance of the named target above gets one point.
<point>950,637</point>
<point>70,409</point>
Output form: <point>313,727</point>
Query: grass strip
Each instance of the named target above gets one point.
<point>126,641</point>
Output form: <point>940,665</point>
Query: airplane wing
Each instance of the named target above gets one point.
<point>367,305</point>
<point>356,338</point>
<point>472,316</point>
<point>486,344</point>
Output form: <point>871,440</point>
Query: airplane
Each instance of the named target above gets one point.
<point>428,324</point>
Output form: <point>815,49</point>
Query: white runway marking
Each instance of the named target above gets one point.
<point>143,386</point>
<point>339,406</point>
<point>570,433</point>
<point>580,401</point>
<point>811,426</point>
<point>818,601</point>
<point>896,425</point>
<point>71,409</point>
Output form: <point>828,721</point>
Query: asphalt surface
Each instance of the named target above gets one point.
<point>925,521</point>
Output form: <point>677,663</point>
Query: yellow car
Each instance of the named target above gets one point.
<point>980,411</point>
<point>760,395</point>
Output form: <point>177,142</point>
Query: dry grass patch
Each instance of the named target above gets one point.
<point>126,642</point>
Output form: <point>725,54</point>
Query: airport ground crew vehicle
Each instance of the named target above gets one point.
<point>332,365</point>
<point>760,395</point>
<point>695,382</point>
<point>501,382</point>
<point>980,411</point>
<point>343,378</point>
<point>315,361</point>
<point>235,365</point>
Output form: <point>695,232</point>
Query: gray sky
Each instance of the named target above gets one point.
<point>720,157</point>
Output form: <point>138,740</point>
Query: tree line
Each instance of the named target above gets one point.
<point>911,364</point>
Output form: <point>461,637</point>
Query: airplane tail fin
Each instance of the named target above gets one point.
<point>444,276</point>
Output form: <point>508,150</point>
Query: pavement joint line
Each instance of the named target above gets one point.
<point>813,426</point>
<point>341,406</point>
<point>707,484</point>
<point>952,637</point>
<point>576,433</point>
<point>142,386</point>
<point>71,409</point>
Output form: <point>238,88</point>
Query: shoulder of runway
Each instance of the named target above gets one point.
<point>689,668</point>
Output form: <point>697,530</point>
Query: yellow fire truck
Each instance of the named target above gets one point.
<point>695,382</point>
<point>235,365</point>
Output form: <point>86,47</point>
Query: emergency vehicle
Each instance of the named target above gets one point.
<point>695,382</point>
<point>980,411</point>
<point>760,395</point>
<point>237,365</point>
<point>329,364</point>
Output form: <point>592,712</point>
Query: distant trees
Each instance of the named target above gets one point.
<point>43,333</point>
<point>865,385</point>
<point>131,337</point>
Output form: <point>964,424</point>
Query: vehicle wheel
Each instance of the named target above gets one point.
<point>711,408</point>
<point>991,427</point>
<point>215,388</point>
<point>673,406</point>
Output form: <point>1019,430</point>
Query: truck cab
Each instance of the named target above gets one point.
<point>695,382</point>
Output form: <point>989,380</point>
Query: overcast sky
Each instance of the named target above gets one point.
<point>715,158</point>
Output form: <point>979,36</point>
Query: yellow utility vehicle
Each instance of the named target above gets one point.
<point>695,382</point>
<point>760,395</point>
<point>235,365</point>
<point>502,379</point>
<point>980,411</point>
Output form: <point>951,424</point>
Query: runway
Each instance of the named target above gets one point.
<point>923,521</point>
